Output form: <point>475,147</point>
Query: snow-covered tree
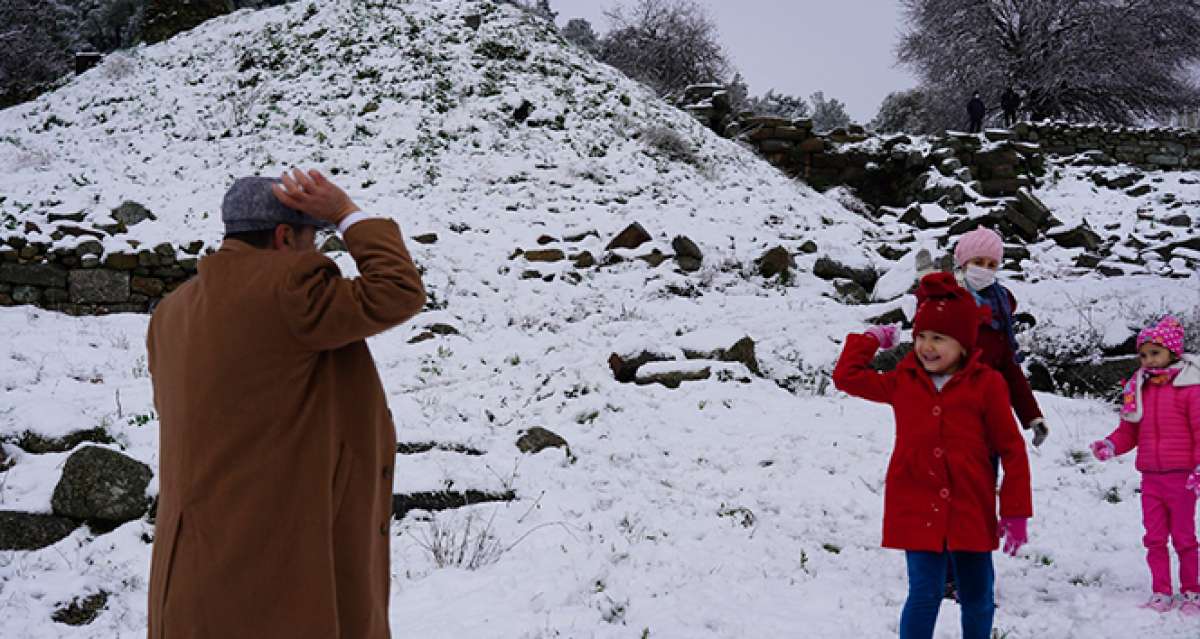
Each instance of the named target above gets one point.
<point>36,48</point>
<point>580,32</point>
<point>828,114</point>
<point>778,104</point>
<point>1106,60</point>
<point>667,44</point>
<point>903,112</point>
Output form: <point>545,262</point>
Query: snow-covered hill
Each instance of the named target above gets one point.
<point>720,509</point>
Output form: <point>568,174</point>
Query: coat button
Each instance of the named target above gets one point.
<point>944,493</point>
<point>938,452</point>
<point>937,410</point>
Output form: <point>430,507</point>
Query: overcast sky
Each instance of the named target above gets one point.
<point>841,47</point>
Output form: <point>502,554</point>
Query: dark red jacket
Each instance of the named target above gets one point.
<point>940,491</point>
<point>997,353</point>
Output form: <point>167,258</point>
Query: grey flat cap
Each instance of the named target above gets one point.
<point>250,205</point>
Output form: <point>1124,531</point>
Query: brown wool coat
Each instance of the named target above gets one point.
<point>277,446</point>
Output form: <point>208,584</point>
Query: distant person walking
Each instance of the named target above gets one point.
<point>975,111</point>
<point>1010,102</point>
<point>277,446</point>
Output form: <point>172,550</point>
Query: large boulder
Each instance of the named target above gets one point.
<point>131,213</point>
<point>28,531</point>
<point>99,484</point>
<point>827,268</point>
<point>81,610</point>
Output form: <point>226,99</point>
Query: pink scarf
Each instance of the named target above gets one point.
<point>1131,395</point>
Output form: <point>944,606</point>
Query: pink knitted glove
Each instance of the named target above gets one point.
<point>1193,481</point>
<point>1103,449</point>
<point>885,334</point>
<point>1015,532</point>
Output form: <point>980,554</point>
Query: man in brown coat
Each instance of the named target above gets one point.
<point>277,446</point>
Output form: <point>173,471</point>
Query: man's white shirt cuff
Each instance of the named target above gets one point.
<point>351,220</point>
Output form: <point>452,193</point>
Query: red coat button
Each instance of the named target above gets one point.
<point>944,493</point>
<point>937,410</point>
<point>938,452</point>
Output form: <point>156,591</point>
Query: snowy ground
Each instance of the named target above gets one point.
<point>720,509</point>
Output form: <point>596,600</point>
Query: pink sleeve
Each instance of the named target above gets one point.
<point>1193,417</point>
<point>1125,437</point>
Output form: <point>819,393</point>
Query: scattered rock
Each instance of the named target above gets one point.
<point>537,439</point>
<point>740,351</point>
<point>546,239</point>
<point>333,244</point>
<point>776,261</point>
<point>545,255</point>
<point>687,254</point>
<point>1139,190</point>
<point>675,377</point>
<point>27,531</point>
<point>625,368</point>
<point>522,113</point>
<point>81,612</point>
<point>131,213</point>
<point>632,237</point>
<point>850,292</point>
<point>585,260</point>
<point>425,238</point>
<point>653,258</point>
<point>444,500</point>
<point>416,448</point>
<point>830,269</point>
<point>809,247</point>
<point>1080,236</point>
<point>99,484</point>
<point>424,336</point>
<point>894,316</point>
<point>32,442</point>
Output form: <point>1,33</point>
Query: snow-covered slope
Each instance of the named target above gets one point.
<point>719,509</point>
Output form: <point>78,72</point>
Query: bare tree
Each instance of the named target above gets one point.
<point>828,113</point>
<point>1107,60</point>
<point>667,44</point>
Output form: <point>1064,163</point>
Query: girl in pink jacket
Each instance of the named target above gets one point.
<point>1161,417</point>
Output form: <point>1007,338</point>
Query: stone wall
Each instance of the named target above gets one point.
<point>85,279</point>
<point>1147,149</point>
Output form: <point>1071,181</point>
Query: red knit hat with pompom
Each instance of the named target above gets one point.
<point>947,308</point>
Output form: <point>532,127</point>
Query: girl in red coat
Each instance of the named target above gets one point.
<point>1161,418</point>
<point>952,415</point>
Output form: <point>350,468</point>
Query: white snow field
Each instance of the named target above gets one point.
<point>722,508</point>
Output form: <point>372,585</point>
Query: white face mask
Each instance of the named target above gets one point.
<point>979,277</point>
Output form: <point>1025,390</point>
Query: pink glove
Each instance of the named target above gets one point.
<point>1104,450</point>
<point>1015,533</point>
<point>1193,481</point>
<point>886,335</point>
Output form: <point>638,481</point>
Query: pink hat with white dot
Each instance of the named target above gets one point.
<point>1168,333</point>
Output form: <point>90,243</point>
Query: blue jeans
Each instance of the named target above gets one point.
<point>926,585</point>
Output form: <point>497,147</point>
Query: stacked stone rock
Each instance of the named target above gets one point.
<point>84,279</point>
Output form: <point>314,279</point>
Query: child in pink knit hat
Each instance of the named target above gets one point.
<point>1160,416</point>
<point>977,256</point>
